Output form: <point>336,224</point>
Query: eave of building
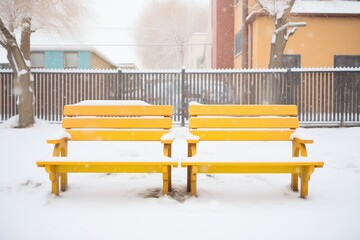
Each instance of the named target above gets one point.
<point>252,17</point>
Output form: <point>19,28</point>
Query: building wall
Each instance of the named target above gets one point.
<point>317,43</point>
<point>223,34</point>
<point>99,63</point>
<point>323,38</point>
<point>54,59</point>
<point>84,59</point>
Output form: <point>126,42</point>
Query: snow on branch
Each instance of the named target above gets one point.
<point>289,24</point>
<point>252,14</point>
<point>275,8</point>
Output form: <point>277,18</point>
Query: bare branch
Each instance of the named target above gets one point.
<point>289,24</point>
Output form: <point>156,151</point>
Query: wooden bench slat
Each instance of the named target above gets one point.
<point>108,167</point>
<point>151,110</point>
<point>133,122</point>
<point>245,135</point>
<point>112,121</point>
<point>246,122</point>
<point>116,135</point>
<point>252,167</point>
<point>243,110</point>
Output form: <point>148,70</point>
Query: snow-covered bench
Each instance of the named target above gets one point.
<point>247,123</point>
<point>111,121</point>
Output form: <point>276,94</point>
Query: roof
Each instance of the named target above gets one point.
<point>318,8</point>
<point>326,7</point>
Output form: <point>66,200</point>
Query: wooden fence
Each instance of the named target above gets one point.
<point>323,96</point>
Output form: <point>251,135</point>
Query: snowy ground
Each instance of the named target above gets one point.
<point>129,206</point>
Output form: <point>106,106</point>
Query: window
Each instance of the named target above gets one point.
<point>346,61</point>
<point>238,43</point>
<point>71,60</point>
<point>37,59</point>
<point>291,61</point>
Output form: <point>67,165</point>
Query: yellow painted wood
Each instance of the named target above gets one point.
<point>243,135</point>
<point>253,167</point>
<point>191,149</point>
<point>243,110</point>
<point>60,170</point>
<point>295,182</point>
<point>117,122</point>
<point>167,149</point>
<point>302,169</point>
<point>63,181</point>
<point>246,122</point>
<point>100,163</point>
<point>116,135</point>
<point>150,110</point>
<point>194,172</point>
<point>111,123</point>
<point>166,171</point>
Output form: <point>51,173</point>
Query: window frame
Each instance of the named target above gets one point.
<point>238,43</point>
<point>297,58</point>
<point>339,59</point>
<point>42,61</point>
<point>71,66</point>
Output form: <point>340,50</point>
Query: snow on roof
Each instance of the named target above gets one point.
<point>326,7</point>
<point>3,54</point>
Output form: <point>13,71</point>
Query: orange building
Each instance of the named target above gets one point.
<point>331,37</point>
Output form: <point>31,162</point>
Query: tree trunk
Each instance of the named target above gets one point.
<point>278,42</point>
<point>26,103</point>
<point>23,90</point>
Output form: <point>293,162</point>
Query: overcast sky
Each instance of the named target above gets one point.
<point>109,27</point>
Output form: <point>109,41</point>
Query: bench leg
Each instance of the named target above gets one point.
<point>192,176</point>
<point>169,179</point>
<point>188,182</point>
<point>304,189</point>
<point>54,178</point>
<point>166,172</point>
<point>63,181</point>
<point>294,182</point>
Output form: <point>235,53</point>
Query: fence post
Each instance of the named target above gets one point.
<point>118,84</point>
<point>182,96</point>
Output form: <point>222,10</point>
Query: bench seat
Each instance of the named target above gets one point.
<point>59,167</point>
<point>116,121</point>
<point>262,123</point>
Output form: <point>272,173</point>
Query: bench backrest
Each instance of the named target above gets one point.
<point>243,122</point>
<point>117,122</point>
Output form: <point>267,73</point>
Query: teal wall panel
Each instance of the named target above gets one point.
<point>84,58</point>
<point>54,59</point>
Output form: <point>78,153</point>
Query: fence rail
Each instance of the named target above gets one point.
<point>323,96</point>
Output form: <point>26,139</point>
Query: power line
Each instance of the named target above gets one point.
<point>122,45</point>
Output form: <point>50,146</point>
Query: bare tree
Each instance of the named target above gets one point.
<point>27,16</point>
<point>164,30</point>
<point>280,11</point>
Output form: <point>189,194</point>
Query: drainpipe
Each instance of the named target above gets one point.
<point>245,35</point>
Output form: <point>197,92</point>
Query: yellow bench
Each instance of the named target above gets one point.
<point>112,121</point>
<point>247,123</point>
